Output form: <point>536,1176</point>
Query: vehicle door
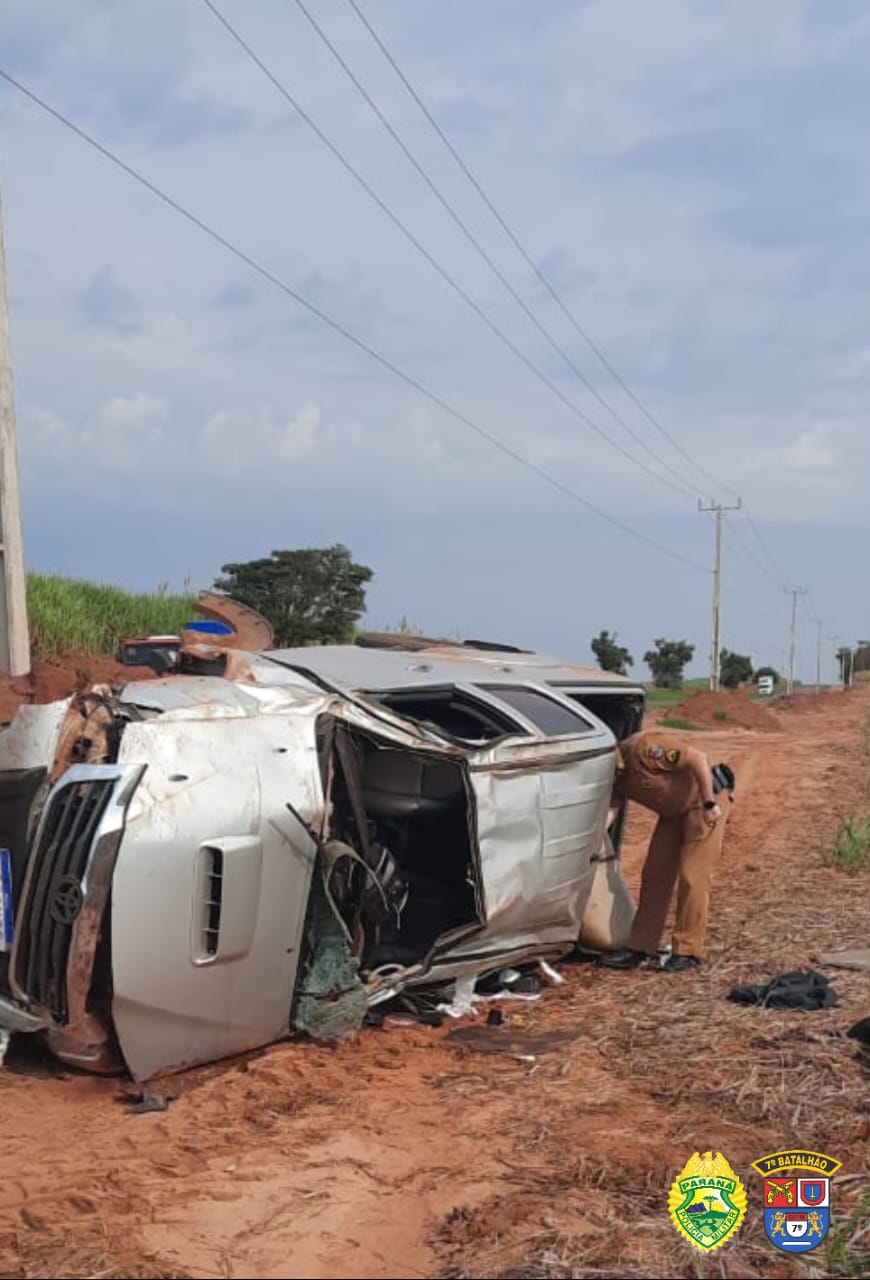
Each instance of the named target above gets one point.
<point>211,884</point>
<point>542,802</point>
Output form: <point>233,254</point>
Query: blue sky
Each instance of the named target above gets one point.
<point>691,176</point>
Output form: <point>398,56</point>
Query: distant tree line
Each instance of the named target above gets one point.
<point>667,661</point>
<point>853,660</point>
<point>317,595</point>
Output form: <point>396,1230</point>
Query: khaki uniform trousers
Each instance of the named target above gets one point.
<point>685,851</point>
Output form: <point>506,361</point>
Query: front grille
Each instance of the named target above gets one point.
<point>55,891</point>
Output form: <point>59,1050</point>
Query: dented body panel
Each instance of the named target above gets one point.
<point>208,825</point>
<point>193,935</point>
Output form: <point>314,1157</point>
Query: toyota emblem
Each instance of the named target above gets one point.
<point>67,900</point>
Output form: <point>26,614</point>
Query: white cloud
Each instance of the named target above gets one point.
<point>811,451</point>
<point>126,434</point>
<point>49,432</point>
<point>751,351</point>
<point>165,344</point>
<point>129,413</point>
<point>255,442</point>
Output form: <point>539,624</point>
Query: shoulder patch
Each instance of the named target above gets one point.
<point>672,755</point>
<point>655,751</point>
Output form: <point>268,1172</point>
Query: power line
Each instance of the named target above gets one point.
<point>529,260</point>
<point>341,329</point>
<point>409,235</point>
<point>742,561</point>
<point>752,559</point>
<point>815,608</point>
<point>778,575</point>
<point>685,486</point>
<point>741,553</point>
<point>775,565</point>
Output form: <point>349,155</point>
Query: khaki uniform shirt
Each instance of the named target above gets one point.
<point>652,771</point>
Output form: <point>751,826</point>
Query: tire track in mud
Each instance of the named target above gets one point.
<point>344,1191</point>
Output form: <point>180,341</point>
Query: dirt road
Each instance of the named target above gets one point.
<point>402,1154</point>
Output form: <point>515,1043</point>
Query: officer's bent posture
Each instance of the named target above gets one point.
<point>662,772</point>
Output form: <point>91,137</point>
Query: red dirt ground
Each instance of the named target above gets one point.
<point>714,709</point>
<point>51,681</point>
<point>401,1155</point>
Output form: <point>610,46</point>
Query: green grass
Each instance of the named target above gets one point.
<point>68,616</point>
<point>720,715</point>
<point>675,722</point>
<point>851,848</point>
<point>842,1259</point>
<point>663,697</point>
<point>670,697</point>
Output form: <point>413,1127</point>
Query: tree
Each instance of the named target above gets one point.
<point>853,660</point>
<point>610,655</point>
<point>310,596</point>
<point>667,660</point>
<point>734,669</point>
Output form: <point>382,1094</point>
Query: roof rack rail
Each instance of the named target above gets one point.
<point>401,640</point>
<point>394,640</point>
<point>494,646</point>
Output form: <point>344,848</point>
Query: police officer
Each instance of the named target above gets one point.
<point>664,773</point>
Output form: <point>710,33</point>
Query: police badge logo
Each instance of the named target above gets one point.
<point>797,1198</point>
<point>707,1201</point>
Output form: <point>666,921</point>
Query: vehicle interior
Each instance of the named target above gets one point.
<point>400,867</point>
<point>462,716</point>
<point>621,712</point>
<point>450,711</point>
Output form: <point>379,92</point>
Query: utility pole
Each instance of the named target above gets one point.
<point>819,625</point>
<point>14,631</point>
<point>794,592</point>
<point>715,653</point>
<point>835,640</point>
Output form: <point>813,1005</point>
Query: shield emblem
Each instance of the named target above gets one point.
<point>802,1231</point>
<point>797,1198</point>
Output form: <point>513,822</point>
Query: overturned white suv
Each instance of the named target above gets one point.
<point>273,842</point>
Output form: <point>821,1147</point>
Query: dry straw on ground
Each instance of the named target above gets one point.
<point>96,1254</point>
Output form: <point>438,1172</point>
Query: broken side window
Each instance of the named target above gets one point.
<point>622,713</point>
<point>551,717</point>
<point>451,711</point>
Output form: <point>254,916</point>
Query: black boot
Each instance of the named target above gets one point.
<point>625,958</point>
<point>677,964</point>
